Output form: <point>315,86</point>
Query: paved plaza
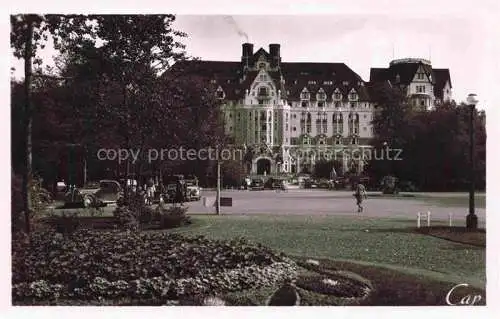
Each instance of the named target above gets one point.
<point>323,202</point>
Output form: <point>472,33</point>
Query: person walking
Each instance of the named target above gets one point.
<point>179,194</point>
<point>360,194</point>
<point>150,191</point>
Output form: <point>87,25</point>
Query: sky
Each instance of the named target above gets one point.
<point>463,44</point>
<point>360,41</point>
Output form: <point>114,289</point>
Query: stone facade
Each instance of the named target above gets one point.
<point>290,115</point>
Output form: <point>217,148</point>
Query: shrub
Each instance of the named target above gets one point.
<point>39,198</point>
<point>126,218</point>
<point>170,217</point>
<point>133,212</point>
<point>17,217</point>
<point>66,223</point>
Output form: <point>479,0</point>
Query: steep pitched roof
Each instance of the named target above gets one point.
<point>441,76</point>
<point>405,71</point>
<point>297,75</point>
<point>212,69</point>
<point>314,75</point>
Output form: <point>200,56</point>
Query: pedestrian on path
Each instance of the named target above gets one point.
<point>360,194</point>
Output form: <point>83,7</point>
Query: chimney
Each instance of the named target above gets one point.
<point>247,53</point>
<point>274,52</point>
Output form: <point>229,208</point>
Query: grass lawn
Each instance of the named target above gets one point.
<point>479,201</point>
<point>387,243</point>
<point>449,201</point>
<point>461,200</point>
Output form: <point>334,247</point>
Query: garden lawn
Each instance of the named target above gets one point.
<point>388,243</point>
<point>459,200</point>
<point>479,201</point>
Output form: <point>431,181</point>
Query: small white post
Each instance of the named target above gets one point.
<point>428,219</point>
<point>450,219</point>
<point>418,220</point>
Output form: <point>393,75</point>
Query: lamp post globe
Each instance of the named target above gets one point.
<point>472,100</point>
<point>471,220</point>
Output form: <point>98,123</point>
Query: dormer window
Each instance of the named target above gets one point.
<point>353,96</point>
<point>263,91</point>
<point>263,77</point>
<point>420,76</point>
<point>304,95</point>
<point>311,82</point>
<point>262,65</point>
<point>345,83</point>
<point>337,96</point>
<point>321,96</point>
<point>328,83</point>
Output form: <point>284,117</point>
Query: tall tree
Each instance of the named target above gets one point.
<point>27,35</point>
<point>392,124</point>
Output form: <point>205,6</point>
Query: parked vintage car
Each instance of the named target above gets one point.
<point>389,185</point>
<point>193,192</point>
<point>108,191</point>
<point>257,184</point>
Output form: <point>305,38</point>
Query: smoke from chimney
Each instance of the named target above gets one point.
<point>231,21</point>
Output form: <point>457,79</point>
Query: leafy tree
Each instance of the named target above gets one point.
<point>109,94</point>
<point>27,35</point>
<point>393,130</point>
<point>434,143</point>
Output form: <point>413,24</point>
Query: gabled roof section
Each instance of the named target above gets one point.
<point>440,76</point>
<point>313,75</point>
<point>212,69</point>
<point>261,52</point>
<point>406,72</point>
<point>224,74</point>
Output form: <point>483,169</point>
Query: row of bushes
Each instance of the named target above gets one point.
<point>135,215</point>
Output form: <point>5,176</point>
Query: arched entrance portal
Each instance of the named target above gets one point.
<point>263,165</point>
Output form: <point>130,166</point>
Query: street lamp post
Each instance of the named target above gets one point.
<point>471,220</point>
<point>385,153</point>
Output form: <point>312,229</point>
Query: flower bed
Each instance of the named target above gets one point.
<point>91,265</point>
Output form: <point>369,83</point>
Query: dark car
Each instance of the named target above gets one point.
<point>407,186</point>
<point>257,184</point>
<point>389,185</point>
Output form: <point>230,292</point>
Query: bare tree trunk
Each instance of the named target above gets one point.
<point>27,173</point>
